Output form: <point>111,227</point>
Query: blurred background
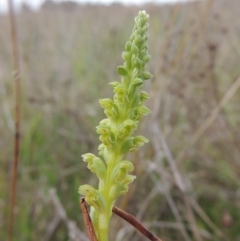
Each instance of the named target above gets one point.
<point>188,175</point>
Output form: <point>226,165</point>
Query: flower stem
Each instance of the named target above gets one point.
<point>123,111</point>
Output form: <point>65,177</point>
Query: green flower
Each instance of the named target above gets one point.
<point>93,197</point>
<point>127,128</point>
<point>123,111</point>
<point>96,165</point>
<point>132,143</point>
<point>120,171</point>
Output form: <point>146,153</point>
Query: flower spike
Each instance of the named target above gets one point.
<point>123,111</point>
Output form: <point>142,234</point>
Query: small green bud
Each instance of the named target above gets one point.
<point>145,28</point>
<point>146,75</point>
<point>146,58</point>
<point>134,49</point>
<point>143,53</point>
<point>128,46</point>
<point>144,96</point>
<point>139,31</point>
<point>114,84</point>
<point>121,70</point>
<point>137,40</point>
<point>125,56</point>
<point>106,103</point>
<point>134,60</point>
<point>144,46</point>
<point>137,82</point>
<point>139,63</point>
<point>143,110</point>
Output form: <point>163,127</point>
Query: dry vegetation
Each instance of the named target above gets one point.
<point>188,185</point>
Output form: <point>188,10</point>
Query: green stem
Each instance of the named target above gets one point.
<point>104,218</point>
<point>103,227</point>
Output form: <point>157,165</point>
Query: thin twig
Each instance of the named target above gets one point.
<point>191,218</point>
<point>88,222</point>
<point>207,220</point>
<point>51,227</point>
<point>178,178</point>
<point>159,138</point>
<point>165,187</point>
<point>211,118</point>
<point>17,114</point>
<point>134,222</point>
<point>73,232</point>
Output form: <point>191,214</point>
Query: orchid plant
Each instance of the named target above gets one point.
<point>123,113</point>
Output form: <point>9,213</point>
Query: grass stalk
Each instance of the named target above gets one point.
<point>16,74</point>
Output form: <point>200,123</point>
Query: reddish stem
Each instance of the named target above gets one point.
<point>135,223</point>
<point>17,115</point>
<point>88,222</point>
